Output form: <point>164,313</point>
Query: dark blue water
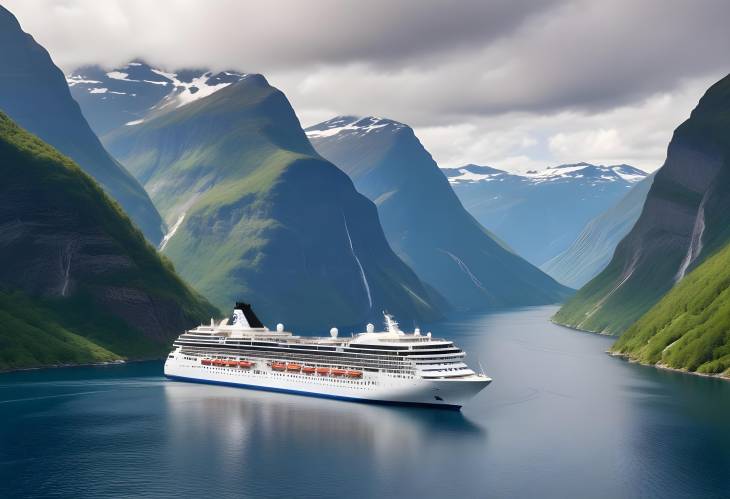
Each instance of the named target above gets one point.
<point>562,419</point>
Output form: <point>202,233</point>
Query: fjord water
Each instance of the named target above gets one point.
<point>562,419</point>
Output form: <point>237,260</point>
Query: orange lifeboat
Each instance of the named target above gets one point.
<point>217,362</point>
<point>206,362</point>
<point>323,371</point>
<point>308,370</point>
<point>354,374</point>
<point>338,372</point>
<point>245,364</point>
<point>293,367</point>
<point>232,363</point>
<point>278,366</point>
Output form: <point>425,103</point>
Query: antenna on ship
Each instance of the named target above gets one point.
<point>390,323</point>
<point>481,368</point>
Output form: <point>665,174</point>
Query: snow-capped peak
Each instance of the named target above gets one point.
<point>346,125</point>
<point>162,88</point>
<point>609,173</point>
<point>584,172</point>
<point>473,173</point>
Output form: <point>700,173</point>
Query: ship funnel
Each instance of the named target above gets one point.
<point>250,317</point>
<point>334,332</point>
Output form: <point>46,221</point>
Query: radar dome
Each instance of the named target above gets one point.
<point>370,328</point>
<point>417,331</point>
<point>280,327</point>
<point>334,332</point>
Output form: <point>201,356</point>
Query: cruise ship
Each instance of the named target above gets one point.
<point>388,366</point>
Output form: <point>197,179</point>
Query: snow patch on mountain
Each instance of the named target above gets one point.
<point>72,80</point>
<point>190,91</point>
<point>346,125</point>
<point>118,75</point>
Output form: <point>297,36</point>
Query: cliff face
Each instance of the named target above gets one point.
<point>685,218</point>
<point>77,261</point>
<point>34,94</point>
<point>424,221</point>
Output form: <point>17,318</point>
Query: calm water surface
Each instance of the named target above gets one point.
<point>562,419</point>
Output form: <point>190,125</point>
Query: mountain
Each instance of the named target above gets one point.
<point>33,92</point>
<point>80,283</point>
<point>593,248</point>
<point>539,214</point>
<point>257,214</point>
<point>688,328</point>
<point>124,96</point>
<point>424,221</point>
<point>686,217</point>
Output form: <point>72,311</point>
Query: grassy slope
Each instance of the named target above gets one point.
<point>690,326</point>
<point>42,331</point>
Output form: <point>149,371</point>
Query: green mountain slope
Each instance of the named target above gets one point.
<point>690,326</point>
<point>80,283</point>
<point>686,217</point>
<point>593,248</point>
<point>258,215</point>
<point>424,221</point>
<point>34,93</point>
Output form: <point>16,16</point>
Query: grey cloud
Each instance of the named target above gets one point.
<point>459,59</point>
<point>429,63</point>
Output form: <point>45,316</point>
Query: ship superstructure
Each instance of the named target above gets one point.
<point>389,366</point>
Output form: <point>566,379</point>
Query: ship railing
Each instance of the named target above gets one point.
<point>401,367</point>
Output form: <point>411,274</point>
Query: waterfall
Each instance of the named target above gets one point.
<point>357,260</point>
<point>695,243</point>
<point>65,261</point>
<point>172,231</point>
<point>464,268</point>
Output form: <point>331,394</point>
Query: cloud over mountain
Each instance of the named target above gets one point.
<point>431,64</point>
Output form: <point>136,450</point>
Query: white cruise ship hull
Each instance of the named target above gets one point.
<point>373,387</point>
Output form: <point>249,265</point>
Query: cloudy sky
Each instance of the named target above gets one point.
<point>511,84</point>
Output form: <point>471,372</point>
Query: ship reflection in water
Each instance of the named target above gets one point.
<point>303,439</point>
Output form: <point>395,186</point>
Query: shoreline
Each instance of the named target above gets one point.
<point>628,358</point>
<point>665,367</point>
<point>587,331</point>
<point>87,364</point>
